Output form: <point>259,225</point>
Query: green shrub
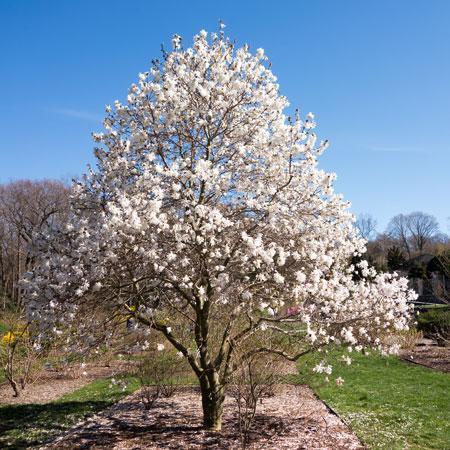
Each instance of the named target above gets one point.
<point>435,323</point>
<point>418,271</point>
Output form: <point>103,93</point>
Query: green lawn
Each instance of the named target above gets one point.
<point>24,426</point>
<point>389,403</point>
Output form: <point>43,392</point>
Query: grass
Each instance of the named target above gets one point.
<point>28,425</point>
<point>389,403</point>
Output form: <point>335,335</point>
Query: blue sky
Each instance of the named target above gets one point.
<point>375,73</point>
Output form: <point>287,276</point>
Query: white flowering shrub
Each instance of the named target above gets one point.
<point>208,221</point>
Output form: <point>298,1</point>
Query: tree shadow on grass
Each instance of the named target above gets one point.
<point>23,426</point>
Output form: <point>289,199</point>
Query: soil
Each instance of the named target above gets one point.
<point>52,384</point>
<point>292,419</point>
<point>429,355</point>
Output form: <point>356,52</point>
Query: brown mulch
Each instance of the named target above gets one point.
<point>292,419</point>
<point>51,384</point>
<point>431,356</point>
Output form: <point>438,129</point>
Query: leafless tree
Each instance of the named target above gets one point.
<point>422,228</point>
<point>414,231</point>
<point>366,225</point>
<point>26,208</point>
<point>398,229</point>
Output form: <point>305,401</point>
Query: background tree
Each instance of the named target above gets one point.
<point>367,226</point>
<point>378,248</point>
<point>422,228</point>
<point>208,222</point>
<point>27,208</point>
<point>398,229</point>
<point>414,232</point>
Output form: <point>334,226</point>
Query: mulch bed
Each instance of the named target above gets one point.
<point>51,384</point>
<point>429,355</point>
<point>293,419</point>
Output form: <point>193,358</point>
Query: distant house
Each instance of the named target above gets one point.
<point>429,276</point>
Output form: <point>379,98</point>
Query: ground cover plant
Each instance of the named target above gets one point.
<point>389,403</point>
<point>26,425</point>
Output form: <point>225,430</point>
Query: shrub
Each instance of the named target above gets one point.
<point>418,271</point>
<point>253,381</point>
<point>435,323</point>
<point>20,354</point>
<point>405,339</point>
<point>160,373</point>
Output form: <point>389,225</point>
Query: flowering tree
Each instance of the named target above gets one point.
<point>208,221</point>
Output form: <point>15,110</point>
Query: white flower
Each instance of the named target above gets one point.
<point>160,347</point>
<point>278,278</point>
<point>301,277</point>
<point>202,91</point>
<point>321,368</point>
<point>339,381</point>
<point>176,41</point>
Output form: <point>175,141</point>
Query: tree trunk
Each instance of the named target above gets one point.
<point>212,403</point>
<point>14,387</point>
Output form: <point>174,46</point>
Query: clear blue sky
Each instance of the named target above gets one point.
<point>375,73</point>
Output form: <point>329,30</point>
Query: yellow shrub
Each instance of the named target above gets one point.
<point>12,336</point>
<point>8,338</point>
